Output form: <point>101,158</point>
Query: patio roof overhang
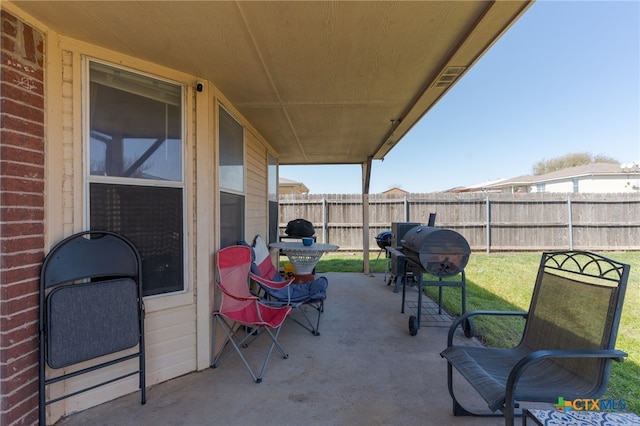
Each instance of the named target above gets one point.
<point>323,82</point>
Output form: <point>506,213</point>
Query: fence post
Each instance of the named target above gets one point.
<point>325,237</point>
<point>406,209</point>
<point>488,225</point>
<point>569,222</point>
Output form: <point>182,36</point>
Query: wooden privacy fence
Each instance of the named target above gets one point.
<point>489,221</point>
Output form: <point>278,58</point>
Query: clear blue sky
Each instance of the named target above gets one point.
<point>565,78</point>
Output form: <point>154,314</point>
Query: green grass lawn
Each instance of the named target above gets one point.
<point>504,281</point>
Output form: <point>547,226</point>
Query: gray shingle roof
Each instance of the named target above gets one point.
<point>592,169</point>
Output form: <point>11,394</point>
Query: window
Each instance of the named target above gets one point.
<point>541,187</point>
<point>231,153</point>
<point>272,173</point>
<point>135,169</point>
<point>576,184</point>
<point>231,179</point>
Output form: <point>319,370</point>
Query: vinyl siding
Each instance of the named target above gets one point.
<point>256,188</point>
<point>170,324</point>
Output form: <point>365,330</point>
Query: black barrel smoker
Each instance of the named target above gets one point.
<point>441,253</point>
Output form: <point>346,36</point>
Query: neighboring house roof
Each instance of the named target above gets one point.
<point>474,188</point>
<point>395,190</point>
<point>288,186</point>
<point>587,170</point>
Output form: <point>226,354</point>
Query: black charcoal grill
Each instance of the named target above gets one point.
<point>441,253</point>
<point>383,239</point>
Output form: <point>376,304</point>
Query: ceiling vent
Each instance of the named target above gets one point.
<point>447,77</point>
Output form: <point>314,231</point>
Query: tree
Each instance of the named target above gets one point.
<point>569,160</point>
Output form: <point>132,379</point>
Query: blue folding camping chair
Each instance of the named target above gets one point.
<point>302,297</point>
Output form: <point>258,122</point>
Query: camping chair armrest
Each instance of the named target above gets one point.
<point>276,285</point>
<point>238,297</point>
<point>466,316</point>
<point>522,365</point>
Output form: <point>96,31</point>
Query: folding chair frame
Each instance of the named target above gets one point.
<point>316,304</point>
<point>90,267</point>
<point>238,307</point>
<point>250,335</point>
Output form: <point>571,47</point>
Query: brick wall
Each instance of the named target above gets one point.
<point>21,217</point>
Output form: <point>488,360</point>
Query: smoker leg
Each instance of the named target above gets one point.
<point>398,283</point>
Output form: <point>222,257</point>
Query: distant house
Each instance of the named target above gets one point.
<point>288,186</point>
<point>480,187</point>
<point>589,178</point>
<point>395,191</point>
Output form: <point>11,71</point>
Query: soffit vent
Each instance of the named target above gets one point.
<point>448,76</point>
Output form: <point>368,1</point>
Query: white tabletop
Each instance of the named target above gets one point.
<point>304,258</point>
<point>297,245</point>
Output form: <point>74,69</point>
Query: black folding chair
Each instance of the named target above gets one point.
<point>90,306</point>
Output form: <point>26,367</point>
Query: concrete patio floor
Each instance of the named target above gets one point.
<point>363,369</point>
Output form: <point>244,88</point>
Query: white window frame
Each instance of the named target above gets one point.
<point>88,179</point>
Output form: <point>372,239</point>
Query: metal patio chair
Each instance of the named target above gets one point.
<point>240,310</point>
<point>90,306</point>
<point>568,341</point>
<point>309,296</point>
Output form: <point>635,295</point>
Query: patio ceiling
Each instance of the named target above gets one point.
<point>323,82</point>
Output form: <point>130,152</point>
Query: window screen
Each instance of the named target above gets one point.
<point>151,218</point>
<point>231,219</point>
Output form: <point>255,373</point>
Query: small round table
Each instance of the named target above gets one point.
<point>303,258</point>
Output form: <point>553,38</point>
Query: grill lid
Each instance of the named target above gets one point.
<point>383,239</point>
<point>441,252</point>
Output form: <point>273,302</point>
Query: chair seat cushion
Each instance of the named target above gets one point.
<point>89,320</point>
<point>487,370</point>
<point>314,290</point>
<point>258,314</point>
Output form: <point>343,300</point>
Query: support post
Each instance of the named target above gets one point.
<point>366,178</point>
